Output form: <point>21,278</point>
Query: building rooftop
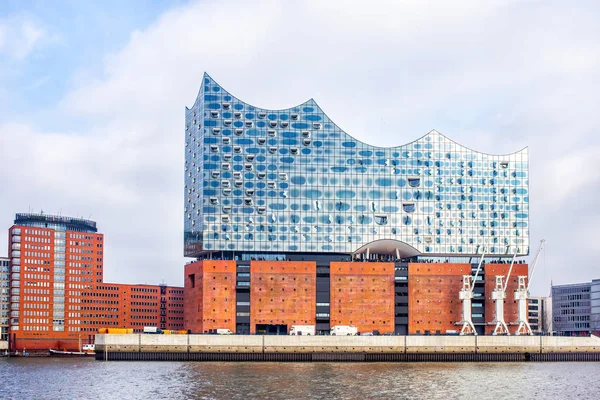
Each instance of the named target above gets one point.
<point>42,220</point>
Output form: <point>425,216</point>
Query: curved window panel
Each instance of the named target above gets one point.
<point>381,219</point>
<point>414,182</point>
<point>408,207</point>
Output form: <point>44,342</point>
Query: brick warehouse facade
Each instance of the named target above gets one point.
<point>390,297</point>
<point>282,294</point>
<point>362,294</point>
<point>434,306</point>
<point>58,297</point>
<point>511,306</point>
<point>210,298</point>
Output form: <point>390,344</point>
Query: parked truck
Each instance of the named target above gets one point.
<point>343,330</point>
<point>306,330</point>
<point>115,331</point>
<point>152,330</point>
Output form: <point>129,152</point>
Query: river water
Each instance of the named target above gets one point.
<point>49,378</point>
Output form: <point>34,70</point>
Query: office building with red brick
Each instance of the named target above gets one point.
<point>58,297</point>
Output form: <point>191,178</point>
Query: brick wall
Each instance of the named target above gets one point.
<point>209,296</point>
<point>362,294</point>
<point>433,303</point>
<point>511,307</point>
<point>282,293</point>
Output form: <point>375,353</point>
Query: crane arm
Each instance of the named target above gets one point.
<point>509,271</point>
<point>477,272</point>
<point>535,262</point>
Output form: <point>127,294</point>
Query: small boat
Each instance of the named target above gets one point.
<point>87,350</point>
<point>66,353</point>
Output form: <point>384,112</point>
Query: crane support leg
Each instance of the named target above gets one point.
<point>466,295</point>
<point>498,295</point>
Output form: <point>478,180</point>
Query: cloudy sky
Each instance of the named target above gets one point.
<point>92,102</point>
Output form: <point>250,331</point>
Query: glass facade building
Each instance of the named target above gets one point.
<point>571,309</point>
<point>4,296</point>
<point>595,307</point>
<point>292,181</point>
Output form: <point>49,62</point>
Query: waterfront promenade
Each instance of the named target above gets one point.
<point>346,348</point>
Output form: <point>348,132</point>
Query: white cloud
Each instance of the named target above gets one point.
<point>494,76</point>
<point>20,36</point>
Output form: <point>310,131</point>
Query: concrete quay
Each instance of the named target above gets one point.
<point>345,348</point>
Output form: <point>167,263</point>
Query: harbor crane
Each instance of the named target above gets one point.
<point>522,295</point>
<point>466,295</point>
<point>499,294</point>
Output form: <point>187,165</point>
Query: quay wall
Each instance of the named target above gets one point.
<point>346,348</point>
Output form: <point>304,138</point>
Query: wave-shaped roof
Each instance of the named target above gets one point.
<point>311,103</point>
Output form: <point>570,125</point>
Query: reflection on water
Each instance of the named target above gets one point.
<point>84,379</point>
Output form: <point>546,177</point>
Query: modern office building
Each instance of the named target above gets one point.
<point>539,311</point>
<point>57,292</point>
<point>53,261</point>
<point>571,309</point>
<point>595,307</point>
<point>4,296</point>
<point>286,194</point>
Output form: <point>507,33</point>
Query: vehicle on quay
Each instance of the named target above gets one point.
<point>343,330</point>
<point>116,331</point>
<point>306,330</point>
<point>224,331</point>
<point>152,330</point>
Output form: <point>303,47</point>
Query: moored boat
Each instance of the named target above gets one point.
<point>66,353</point>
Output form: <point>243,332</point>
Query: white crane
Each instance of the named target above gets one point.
<point>522,294</point>
<point>466,295</point>
<point>499,294</point>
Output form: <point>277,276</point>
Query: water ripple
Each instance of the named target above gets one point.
<point>86,379</point>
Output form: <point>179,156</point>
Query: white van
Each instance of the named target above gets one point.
<point>306,330</point>
<point>343,330</point>
<point>152,330</point>
<point>225,331</point>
